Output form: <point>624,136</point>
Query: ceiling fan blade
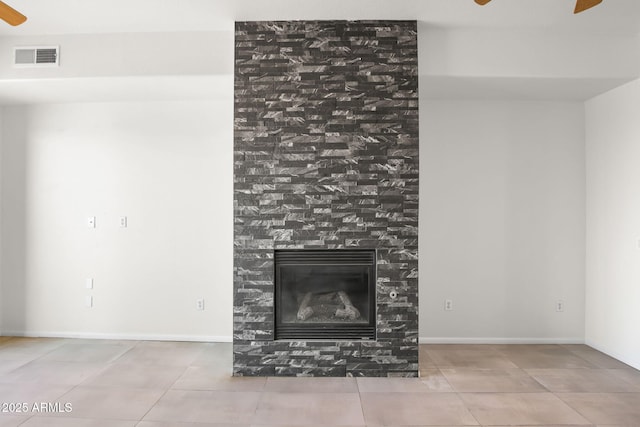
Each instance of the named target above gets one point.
<point>582,5</point>
<point>10,15</point>
<point>482,2</point>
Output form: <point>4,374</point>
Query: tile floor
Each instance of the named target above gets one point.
<point>162,384</point>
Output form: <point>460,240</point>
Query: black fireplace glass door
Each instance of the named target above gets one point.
<point>325,294</point>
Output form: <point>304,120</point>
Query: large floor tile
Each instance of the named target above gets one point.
<point>111,403</point>
<point>32,393</point>
<point>183,424</point>
<point>210,378</point>
<point>415,409</point>
<point>425,361</point>
<point>457,347</point>
<point>298,409</point>
<point>491,380</point>
<point>478,357</point>
<point>595,357</point>
<point>205,407</point>
<point>89,351</point>
<point>543,357</point>
<point>28,349</point>
<point>163,353</point>
<point>136,375</point>
<point>629,375</point>
<point>296,425</point>
<point>431,381</point>
<point>583,380</point>
<point>53,373</point>
<point>75,422</point>
<point>215,354</point>
<point>7,366</point>
<point>606,408</point>
<point>435,381</point>
<point>11,420</point>
<point>33,343</point>
<point>311,385</point>
<point>520,409</point>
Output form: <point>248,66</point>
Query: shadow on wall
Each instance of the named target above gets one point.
<point>14,220</point>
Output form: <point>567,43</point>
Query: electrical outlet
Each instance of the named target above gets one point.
<point>200,304</point>
<point>91,222</point>
<point>448,305</point>
<point>123,222</point>
<point>560,306</point>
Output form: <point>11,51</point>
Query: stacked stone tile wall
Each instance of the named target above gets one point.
<point>326,157</point>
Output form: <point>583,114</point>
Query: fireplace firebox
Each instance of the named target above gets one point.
<point>325,294</point>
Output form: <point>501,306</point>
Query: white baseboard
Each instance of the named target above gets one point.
<point>228,338</point>
<point>109,336</point>
<point>496,340</point>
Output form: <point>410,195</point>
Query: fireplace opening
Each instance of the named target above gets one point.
<point>325,294</point>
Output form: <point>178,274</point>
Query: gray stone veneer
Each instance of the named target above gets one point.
<point>326,157</point>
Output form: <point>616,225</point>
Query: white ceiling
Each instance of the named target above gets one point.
<point>115,16</point>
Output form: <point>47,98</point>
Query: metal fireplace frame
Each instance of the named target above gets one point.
<point>318,330</point>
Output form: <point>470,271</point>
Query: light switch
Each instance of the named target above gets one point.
<point>89,283</point>
<point>88,301</point>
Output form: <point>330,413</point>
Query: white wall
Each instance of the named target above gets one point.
<point>165,165</point>
<point>125,54</point>
<point>501,221</point>
<point>613,223</point>
<point>461,63</point>
<point>525,53</point>
<point>502,190</point>
<point>1,202</point>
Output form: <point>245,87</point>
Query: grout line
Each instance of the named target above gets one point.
<point>459,396</point>
<point>364,419</point>
<point>260,398</point>
<point>152,406</point>
<point>574,409</point>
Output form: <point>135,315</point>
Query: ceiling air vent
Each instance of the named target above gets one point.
<point>36,56</point>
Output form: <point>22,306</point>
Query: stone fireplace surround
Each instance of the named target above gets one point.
<point>326,157</point>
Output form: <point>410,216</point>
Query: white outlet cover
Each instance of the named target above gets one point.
<point>88,283</point>
<point>91,222</point>
<point>88,301</point>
